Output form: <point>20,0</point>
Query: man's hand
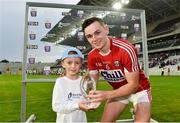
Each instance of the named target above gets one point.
<point>98,96</point>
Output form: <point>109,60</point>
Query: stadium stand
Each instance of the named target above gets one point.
<point>164,47</point>
<point>165,27</point>
<point>164,42</point>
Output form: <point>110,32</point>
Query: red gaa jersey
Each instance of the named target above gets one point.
<point>113,65</point>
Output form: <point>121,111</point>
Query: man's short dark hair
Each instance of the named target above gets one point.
<point>91,20</point>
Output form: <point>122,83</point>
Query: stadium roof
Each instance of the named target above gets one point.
<point>154,9</point>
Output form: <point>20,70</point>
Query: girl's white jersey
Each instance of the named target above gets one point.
<point>66,95</point>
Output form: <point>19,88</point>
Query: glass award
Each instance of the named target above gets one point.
<point>88,84</point>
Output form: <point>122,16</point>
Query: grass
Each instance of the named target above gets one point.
<point>166,98</point>
<point>165,106</point>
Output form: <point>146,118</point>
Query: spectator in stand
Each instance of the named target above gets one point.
<point>168,72</point>
<point>162,71</point>
<point>178,68</point>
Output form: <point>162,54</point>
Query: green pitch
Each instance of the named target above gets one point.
<point>165,106</point>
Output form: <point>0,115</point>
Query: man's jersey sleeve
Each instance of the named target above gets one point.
<point>91,62</point>
<point>130,60</point>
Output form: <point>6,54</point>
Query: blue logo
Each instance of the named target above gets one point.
<point>72,96</point>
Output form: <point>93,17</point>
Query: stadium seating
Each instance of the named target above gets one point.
<point>165,27</point>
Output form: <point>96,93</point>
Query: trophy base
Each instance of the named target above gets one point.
<point>93,105</point>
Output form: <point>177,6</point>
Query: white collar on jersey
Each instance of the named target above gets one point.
<point>104,54</point>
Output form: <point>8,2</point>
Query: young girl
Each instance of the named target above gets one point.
<point>67,98</point>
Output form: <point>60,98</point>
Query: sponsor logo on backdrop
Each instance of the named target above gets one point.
<point>47,25</point>
<point>32,46</point>
<point>31,60</point>
<point>66,13</point>
<point>133,18</point>
<point>123,16</point>
<point>47,48</point>
<point>33,12</point>
<point>33,23</point>
<point>80,14</point>
<point>63,24</point>
<point>124,36</point>
<point>124,27</point>
<point>136,27</point>
<point>80,36</point>
<point>32,36</point>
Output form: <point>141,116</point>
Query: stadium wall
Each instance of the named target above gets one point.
<point>157,71</point>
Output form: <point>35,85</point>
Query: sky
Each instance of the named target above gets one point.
<point>12,19</point>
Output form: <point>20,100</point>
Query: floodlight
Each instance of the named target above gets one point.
<point>117,5</point>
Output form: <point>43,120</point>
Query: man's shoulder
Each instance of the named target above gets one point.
<point>93,52</point>
<point>122,44</point>
<point>119,40</point>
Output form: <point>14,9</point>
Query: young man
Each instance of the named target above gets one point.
<point>67,99</point>
<point>117,61</point>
